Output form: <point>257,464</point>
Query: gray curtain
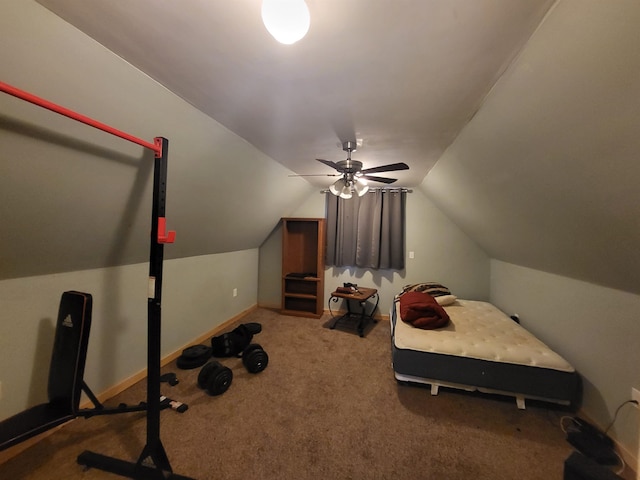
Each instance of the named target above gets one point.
<point>367,231</point>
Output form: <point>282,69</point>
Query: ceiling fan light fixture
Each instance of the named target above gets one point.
<point>341,188</point>
<point>286,20</point>
<point>360,186</point>
<point>337,187</point>
<point>346,192</point>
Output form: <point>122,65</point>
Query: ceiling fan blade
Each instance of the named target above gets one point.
<point>330,163</point>
<point>387,168</point>
<point>316,175</point>
<point>379,179</point>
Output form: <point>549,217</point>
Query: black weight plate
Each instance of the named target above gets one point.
<point>186,363</point>
<point>255,359</point>
<point>253,327</point>
<point>215,378</point>
<point>220,382</point>
<point>196,351</point>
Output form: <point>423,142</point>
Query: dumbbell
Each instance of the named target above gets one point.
<point>254,358</point>
<point>215,378</point>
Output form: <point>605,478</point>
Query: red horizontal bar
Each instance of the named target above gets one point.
<point>16,92</point>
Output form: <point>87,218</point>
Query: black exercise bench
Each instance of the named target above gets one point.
<point>66,373</point>
<point>66,378</point>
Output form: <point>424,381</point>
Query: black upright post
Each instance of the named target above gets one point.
<point>154,453</point>
<point>153,462</point>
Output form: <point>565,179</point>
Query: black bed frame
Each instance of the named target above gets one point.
<point>467,373</point>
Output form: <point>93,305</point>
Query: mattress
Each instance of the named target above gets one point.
<point>481,349</point>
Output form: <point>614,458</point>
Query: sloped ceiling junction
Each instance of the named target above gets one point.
<point>401,77</point>
<point>546,175</point>
<point>519,119</point>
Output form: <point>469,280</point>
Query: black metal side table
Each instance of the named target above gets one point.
<point>360,296</point>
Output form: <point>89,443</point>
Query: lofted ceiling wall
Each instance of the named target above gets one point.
<point>519,119</point>
<point>546,174</point>
<point>76,198</point>
<point>401,78</point>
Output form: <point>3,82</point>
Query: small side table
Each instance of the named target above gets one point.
<point>360,297</point>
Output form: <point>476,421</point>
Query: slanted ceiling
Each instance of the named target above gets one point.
<point>530,144</point>
<point>398,78</point>
<point>76,198</point>
<point>546,174</point>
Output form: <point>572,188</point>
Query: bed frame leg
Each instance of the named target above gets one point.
<point>520,402</point>
<point>434,388</point>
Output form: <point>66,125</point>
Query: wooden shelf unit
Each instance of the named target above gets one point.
<point>303,250</point>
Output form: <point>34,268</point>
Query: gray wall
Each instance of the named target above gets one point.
<point>76,205</point>
<point>545,175</point>
<point>197,297</point>
<point>77,198</point>
<point>595,328</point>
<point>442,253</point>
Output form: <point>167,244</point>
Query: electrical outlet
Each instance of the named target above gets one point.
<point>235,292</point>
<point>635,395</point>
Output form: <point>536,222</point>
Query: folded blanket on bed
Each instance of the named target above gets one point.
<point>422,311</point>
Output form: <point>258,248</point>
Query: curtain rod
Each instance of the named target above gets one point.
<point>384,189</point>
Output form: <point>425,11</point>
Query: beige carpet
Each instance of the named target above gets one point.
<point>327,406</point>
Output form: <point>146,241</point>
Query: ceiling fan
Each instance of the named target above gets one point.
<point>354,177</point>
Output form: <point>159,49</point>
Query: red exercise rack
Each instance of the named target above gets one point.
<point>153,462</point>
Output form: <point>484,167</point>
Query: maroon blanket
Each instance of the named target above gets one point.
<point>422,311</point>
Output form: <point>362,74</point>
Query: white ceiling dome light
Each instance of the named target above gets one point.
<point>286,20</point>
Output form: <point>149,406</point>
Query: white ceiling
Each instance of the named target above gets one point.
<point>403,77</point>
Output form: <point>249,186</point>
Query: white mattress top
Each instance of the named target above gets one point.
<point>479,330</point>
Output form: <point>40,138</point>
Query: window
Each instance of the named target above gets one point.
<point>366,231</point>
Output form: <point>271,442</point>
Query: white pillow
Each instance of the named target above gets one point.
<point>446,299</point>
